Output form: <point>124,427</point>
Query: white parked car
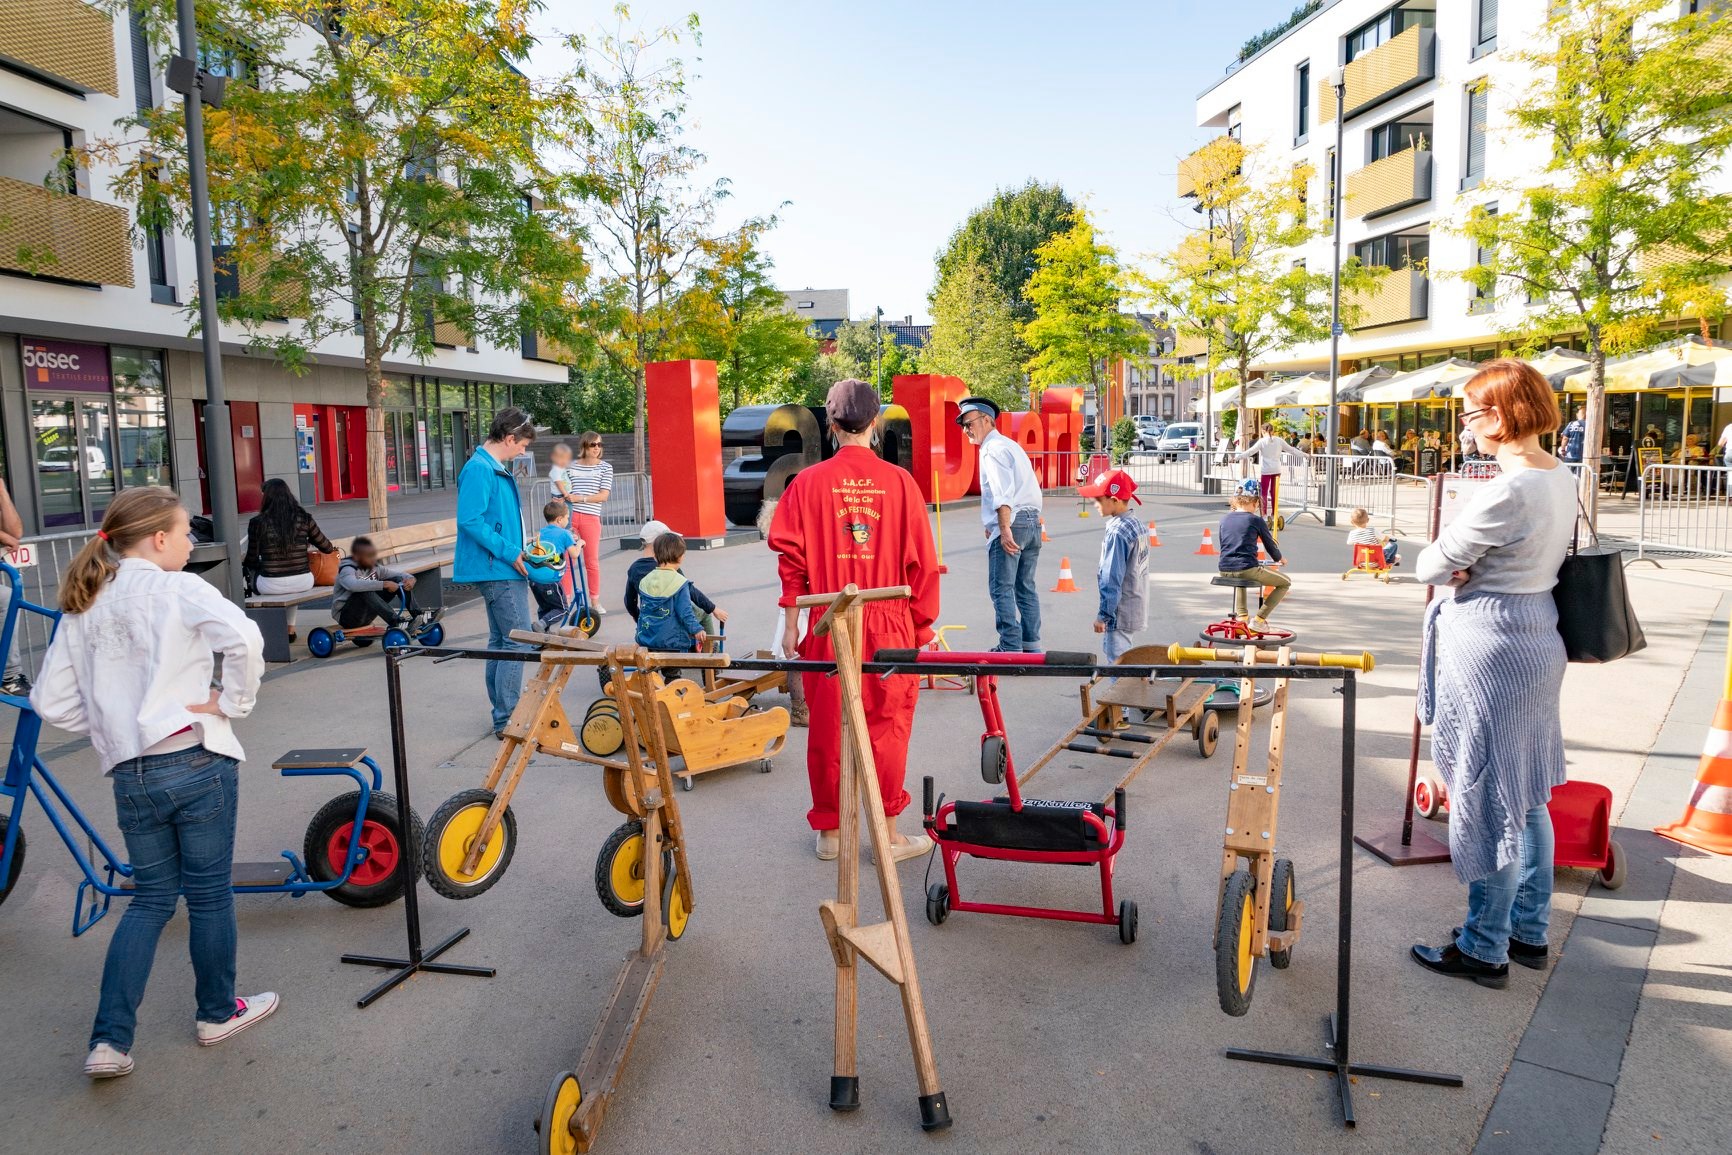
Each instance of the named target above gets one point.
<point>1180,437</point>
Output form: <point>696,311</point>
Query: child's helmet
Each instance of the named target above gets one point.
<point>1249,487</point>
<point>545,565</point>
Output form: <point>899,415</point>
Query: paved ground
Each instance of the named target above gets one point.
<point>1049,1036</point>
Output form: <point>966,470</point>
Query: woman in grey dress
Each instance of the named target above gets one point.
<point>1492,669</point>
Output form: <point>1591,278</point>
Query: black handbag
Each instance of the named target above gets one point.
<point>1595,616</point>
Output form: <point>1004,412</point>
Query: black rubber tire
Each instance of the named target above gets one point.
<point>602,734</point>
<point>1612,876</point>
<point>610,849</point>
<point>362,643</point>
<point>588,622</point>
<point>332,817</point>
<point>11,879</point>
<point>1282,892</point>
<point>1208,733</point>
<point>546,1126</point>
<point>431,867</point>
<point>994,755</point>
<point>1235,990</point>
<point>937,903</point>
<point>675,927</point>
<point>1127,922</point>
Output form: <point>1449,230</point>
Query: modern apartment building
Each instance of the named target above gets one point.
<point>1423,129</point>
<point>100,385</point>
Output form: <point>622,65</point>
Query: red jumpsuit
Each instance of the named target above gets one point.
<point>857,518</point>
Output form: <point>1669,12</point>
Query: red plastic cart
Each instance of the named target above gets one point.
<point>1581,823</point>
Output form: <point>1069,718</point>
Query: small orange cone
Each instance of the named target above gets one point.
<point>1066,583</point>
<point>1262,558</point>
<point>1154,534</point>
<point>1707,821</point>
<point>1043,537</point>
<point>1207,549</point>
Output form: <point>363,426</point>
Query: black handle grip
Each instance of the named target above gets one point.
<point>1068,658</point>
<point>896,657</point>
<point>926,797</point>
<point>1119,807</point>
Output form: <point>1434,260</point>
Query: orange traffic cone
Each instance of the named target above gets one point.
<point>1262,558</point>
<point>1207,549</point>
<point>1707,821</point>
<point>1043,537</point>
<point>1154,534</point>
<point>1066,583</point>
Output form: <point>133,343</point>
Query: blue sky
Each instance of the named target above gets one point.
<point>885,124</point>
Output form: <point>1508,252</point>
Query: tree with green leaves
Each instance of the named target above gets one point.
<point>1625,227</point>
<point>374,178</point>
<point>974,336</point>
<point>1078,330</point>
<point>740,320</point>
<point>1232,279</point>
<point>652,218</point>
<point>1001,237</point>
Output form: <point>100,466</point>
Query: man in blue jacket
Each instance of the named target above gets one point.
<point>490,550</point>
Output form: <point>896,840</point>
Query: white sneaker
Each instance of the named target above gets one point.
<point>829,845</point>
<point>598,607</point>
<point>105,1062</point>
<point>247,1012</point>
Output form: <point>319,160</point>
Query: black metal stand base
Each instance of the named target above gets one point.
<point>1420,850</point>
<point>408,967</point>
<point>1342,1069</point>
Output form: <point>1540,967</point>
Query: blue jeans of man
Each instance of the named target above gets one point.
<point>1515,902</point>
<point>177,814</point>
<point>1015,602</point>
<point>507,605</point>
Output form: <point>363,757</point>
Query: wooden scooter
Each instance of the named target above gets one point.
<point>1259,910</point>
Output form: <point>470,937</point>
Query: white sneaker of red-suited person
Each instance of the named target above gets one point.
<point>247,1012</point>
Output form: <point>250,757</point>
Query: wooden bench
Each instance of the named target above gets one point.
<point>422,550</point>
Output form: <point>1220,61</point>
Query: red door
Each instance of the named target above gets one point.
<point>249,460</point>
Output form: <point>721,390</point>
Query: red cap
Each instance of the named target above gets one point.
<point>1113,483</point>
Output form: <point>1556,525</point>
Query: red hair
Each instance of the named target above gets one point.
<point>1524,401</point>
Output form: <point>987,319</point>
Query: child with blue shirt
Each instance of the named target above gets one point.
<point>1123,575</point>
<point>556,535</point>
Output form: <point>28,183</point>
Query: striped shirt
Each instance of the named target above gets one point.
<point>583,481</point>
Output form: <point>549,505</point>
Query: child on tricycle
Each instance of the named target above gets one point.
<point>1241,530</point>
<point>365,590</point>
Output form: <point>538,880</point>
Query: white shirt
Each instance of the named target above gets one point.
<point>125,670</point>
<point>1006,478</point>
<point>1271,451</point>
<point>1382,446</point>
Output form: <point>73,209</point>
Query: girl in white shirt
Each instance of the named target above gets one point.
<point>131,666</point>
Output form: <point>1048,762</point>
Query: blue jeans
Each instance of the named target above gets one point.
<point>177,814</point>
<point>1114,643</point>
<point>1516,902</point>
<point>507,609</point>
<point>1015,603</point>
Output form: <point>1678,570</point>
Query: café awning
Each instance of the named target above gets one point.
<point>1433,382</point>
<point>1309,390</point>
<point>1661,368</point>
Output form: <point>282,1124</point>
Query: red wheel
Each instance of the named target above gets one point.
<point>375,880</point>
<point>383,852</point>
<point>1425,800</point>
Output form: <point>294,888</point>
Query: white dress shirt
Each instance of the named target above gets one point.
<point>1271,451</point>
<point>125,670</point>
<point>1006,478</point>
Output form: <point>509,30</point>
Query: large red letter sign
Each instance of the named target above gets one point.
<point>685,441</point>
<point>1061,409</point>
<point>938,442</point>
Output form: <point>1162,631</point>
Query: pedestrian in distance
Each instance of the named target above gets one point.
<point>1273,455</point>
<point>588,485</point>
<point>1123,574</point>
<point>489,552</point>
<point>132,667</point>
<point>1570,445</point>
<point>1491,675</point>
<point>1010,508</point>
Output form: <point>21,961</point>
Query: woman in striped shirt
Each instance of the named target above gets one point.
<point>587,483</point>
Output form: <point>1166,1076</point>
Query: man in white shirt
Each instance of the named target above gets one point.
<point>1010,514</point>
<point>1272,453</point>
<point>1380,447</point>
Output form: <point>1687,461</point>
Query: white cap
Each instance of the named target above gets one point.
<point>651,530</point>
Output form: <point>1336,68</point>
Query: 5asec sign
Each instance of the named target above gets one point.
<point>66,365</point>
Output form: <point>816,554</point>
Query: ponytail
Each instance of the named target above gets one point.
<point>131,517</point>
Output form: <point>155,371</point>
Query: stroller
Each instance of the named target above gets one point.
<point>554,612</point>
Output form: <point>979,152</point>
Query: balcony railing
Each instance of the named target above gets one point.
<point>1399,295</point>
<point>70,238</point>
<point>1198,169</point>
<point>69,42</point>
<point>539,348</point>
<point>1385,186</point>
<point>1386,71</point>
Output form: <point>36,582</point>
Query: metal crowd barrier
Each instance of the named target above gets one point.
<point>50,555</point>
<point>1684,509</point>
<point>1361,482</point>
<point>627,507</point>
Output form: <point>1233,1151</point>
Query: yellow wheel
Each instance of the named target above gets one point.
<point>1235,965</point>
<point>452,831</point>
<point>674,912</point>
<point>602,735</point>
<point>619,871</point>
<point>558,1110</point>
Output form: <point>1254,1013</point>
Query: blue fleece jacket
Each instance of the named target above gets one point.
<point>666,620</point>
<point>489,522</point>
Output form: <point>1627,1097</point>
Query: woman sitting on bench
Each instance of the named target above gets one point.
<point>278,541</point>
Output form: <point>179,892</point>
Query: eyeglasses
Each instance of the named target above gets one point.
<point>1469,414</point>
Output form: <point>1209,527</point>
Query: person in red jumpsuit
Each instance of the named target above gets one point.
<point>857,518</point>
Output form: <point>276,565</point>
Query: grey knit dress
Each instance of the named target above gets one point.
<point>1492,663</point>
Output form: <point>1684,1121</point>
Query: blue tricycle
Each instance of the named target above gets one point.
<point>356,871</point>
<point>322,640</point>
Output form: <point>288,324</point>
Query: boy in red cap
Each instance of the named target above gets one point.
<point>1123,575</point>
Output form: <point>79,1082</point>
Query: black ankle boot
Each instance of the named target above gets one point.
<point>1448,960</point>
<point>1532,957</point>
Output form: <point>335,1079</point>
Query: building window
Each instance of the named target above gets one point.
<point>1388,26</point>
<point>156,256</point>
<point>143,95</point>
<point>1412,131</point>
<point>1395,250</point>
<point>1485,26</point>
<point>141,416</point>
<point>1484,300</point>
<point>1235,125</point>
<point>1473,170</point>
<point>1302,121</point>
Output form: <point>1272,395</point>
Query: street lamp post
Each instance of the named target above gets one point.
<point>198,88</point>
<point>1338,82</point>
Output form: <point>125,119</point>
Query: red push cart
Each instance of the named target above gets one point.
<point>1581,826</point>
